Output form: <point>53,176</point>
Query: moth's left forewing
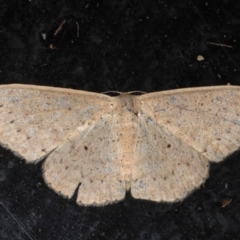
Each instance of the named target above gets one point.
<point>207,118</point>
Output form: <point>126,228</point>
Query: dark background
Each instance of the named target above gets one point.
<point>123,46</point>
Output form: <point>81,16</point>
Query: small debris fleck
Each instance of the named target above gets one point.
<point>226,202</point>
<point>200,58</point>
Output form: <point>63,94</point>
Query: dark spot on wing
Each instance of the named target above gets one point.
<point>149,119</point>
<point>169,145</point>
<point>86,148</point>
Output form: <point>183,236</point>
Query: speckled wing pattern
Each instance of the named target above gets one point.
<point>93,159</point>
<point>36,121</point>
<point>179,132</point>
<point>86,139</point>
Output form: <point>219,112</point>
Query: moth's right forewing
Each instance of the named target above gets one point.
<point>34,120</point>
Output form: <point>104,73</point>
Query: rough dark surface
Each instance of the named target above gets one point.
<point>123,46</point>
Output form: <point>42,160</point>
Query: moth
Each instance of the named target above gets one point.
<point>158,145</point>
